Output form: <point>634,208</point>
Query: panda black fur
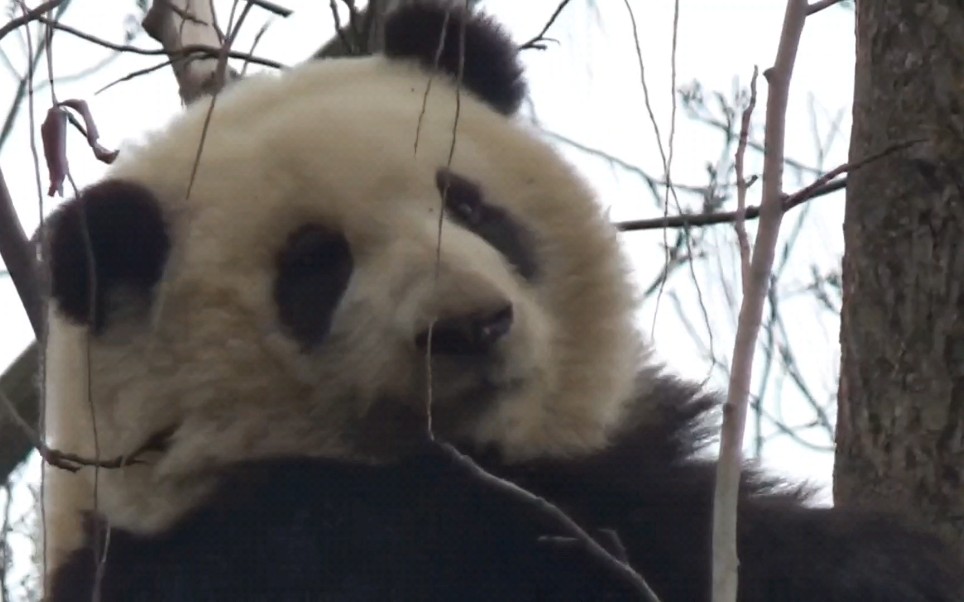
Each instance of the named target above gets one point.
<point>259,345</point>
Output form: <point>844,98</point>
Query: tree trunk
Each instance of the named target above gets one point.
<point>900,433</point>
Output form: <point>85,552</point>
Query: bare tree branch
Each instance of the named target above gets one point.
<point>271,7</point>
<point>25,84</point>
<point>725,559</point>
<point>823,185</point>
<point>180,23</point>
<point>341,33</point>
<point>687,220</point>
<point>186,52</point>
<point>33,14</point>
<point>18,256</point>
<point>537,42</point>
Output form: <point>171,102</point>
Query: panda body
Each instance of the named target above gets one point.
<point>369,257</point>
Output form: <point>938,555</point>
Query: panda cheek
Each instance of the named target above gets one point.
<point>111,237</point>
<point>314,268</point>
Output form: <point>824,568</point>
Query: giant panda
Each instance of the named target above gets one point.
<point>294,349</point>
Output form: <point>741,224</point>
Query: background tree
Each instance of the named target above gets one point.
<point>900,434</point>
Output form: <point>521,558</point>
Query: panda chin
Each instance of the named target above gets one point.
<point>445,407</point>
<point>454,416</point>
<point>460,387</point>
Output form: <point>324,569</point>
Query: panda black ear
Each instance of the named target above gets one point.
<point>433,34</point>
<point>110,237</point>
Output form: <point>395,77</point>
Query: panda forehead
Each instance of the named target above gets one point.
<point>352,145</point>
<point>347,130</point>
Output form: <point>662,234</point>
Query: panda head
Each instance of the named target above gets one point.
<point>329,262</point>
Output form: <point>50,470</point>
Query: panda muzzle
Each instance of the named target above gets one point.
<point>473,334</point>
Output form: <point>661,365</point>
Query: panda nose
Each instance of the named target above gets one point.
<point>469,334</point>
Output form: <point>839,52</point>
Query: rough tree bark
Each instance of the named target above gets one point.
<point>900,434</point>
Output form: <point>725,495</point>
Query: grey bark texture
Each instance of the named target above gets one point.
<point>900,433</point>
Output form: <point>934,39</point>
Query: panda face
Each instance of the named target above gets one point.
<point>335,275</point>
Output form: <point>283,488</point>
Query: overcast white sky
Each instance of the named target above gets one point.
<point>585,88</point>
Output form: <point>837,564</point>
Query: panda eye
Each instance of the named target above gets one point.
<point>463,200</point>
<point>313,271</point>
<point>469,212</point>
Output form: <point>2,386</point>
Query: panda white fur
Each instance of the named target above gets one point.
<point>256,341</point>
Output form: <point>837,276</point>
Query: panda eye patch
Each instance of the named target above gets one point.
<point>464,202</point>
<point>313,271</point>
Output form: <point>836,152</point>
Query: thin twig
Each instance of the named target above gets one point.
<point>61,459</point>
<point>233,29</point>
<point>22,85</point>
<point>807,191</point>
<point>622,569</point>
<point>816,7</point>
<point>652,182</point>
<point>132,75</point>
<point>34,14</point>
<point>822,186</point>
<point>666,158</point>
<point>254,45</point>
<point>754,144</point>
<point>187,51</point>
<point>271,7</point>
<point>536,42</point>
<point>339,31</point>
<point>740,223</point>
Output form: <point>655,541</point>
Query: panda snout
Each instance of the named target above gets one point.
<point>474,333</point>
